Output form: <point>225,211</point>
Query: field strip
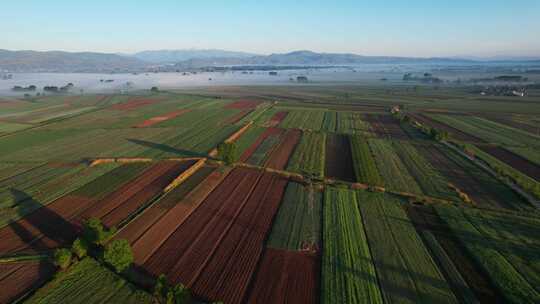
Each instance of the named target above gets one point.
<point>529,198</point>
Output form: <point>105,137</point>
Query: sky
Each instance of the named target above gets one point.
<point>395,28</point>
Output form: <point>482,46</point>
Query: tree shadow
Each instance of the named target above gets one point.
<point>166,148</point>
<point>38,232</point>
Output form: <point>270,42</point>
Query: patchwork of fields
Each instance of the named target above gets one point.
<point>326,201</point>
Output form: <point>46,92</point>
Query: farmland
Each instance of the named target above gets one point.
<point>327,196</point>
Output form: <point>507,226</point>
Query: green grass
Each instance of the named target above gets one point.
<point>348,274</point>
<point>365,168</point>
<point>297,224</point>
<point>88,282</point>
<point>505,246</point>
<point>406,271</point>
<point>308,157</point>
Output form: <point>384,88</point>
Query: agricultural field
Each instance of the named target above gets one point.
<point>301,194</point>
<point>92,282</point>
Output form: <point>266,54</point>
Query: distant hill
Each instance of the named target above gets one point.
<point>174,56</point>
<point>317,59</point>
<point>171,60</point>
<point>57,61</point>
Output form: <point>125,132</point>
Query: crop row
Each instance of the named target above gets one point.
<point>394,172</point>
<point>490,131</point>
<point>308,158</point>
<point>348,272</point>
<point>406,271</point>
<point>92,282</point>
<point>297,224</point>
<point>429,180</point>
<point>503,245</point>
<point>364,162</point>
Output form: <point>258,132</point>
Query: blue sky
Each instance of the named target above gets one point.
<point>407,28</point>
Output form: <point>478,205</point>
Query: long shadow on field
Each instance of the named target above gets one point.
<point>41,227</point>
<point>40,230</point>
<point>166,148</point>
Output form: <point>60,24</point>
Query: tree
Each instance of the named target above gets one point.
<point>227,152</point>
<point>62,258</point>
<point>95,233</point>
<point>154,89</point>
<point>118,254</point>
<point>80,247</point>
<point>165,293</point>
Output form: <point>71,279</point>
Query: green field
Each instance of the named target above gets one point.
<point>89,282</point>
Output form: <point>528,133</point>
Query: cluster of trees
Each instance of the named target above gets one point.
<point>29,88</point>
<point>95,241</point>
<point>55,89</point>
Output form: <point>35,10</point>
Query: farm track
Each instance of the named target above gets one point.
<point>425,218</point>
<point>279,157</point>
<point>455,133</point>
<point>513,160</point>
<point>286,277</point>
<point>21,278</point>
<point>338,161</point>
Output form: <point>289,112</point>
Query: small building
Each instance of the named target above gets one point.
<point>272,73</point>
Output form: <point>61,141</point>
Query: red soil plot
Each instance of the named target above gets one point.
<point>146,194</point>
<point>206,222</point>
<point>155,120</point>
<point>135,103</point>
<point>268,132</point>
<point>23,279</point>
<point>385,126</point>
<point>277,119</point>
<point>44,229</point>
<point>118,205</point>
<point>280,156</point>
<point>238,116</point>
<point>243,104</point>
<point>285,277</point>
<point>136,228</point>
<point>227,273</point>
<point>513,160</point>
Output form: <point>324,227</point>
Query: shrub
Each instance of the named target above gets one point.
<point>80,248</point>
<point>178,294</point>
<point>118,254</point>
<point>62,258</point>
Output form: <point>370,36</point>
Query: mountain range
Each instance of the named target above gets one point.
<point>59,61</point>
